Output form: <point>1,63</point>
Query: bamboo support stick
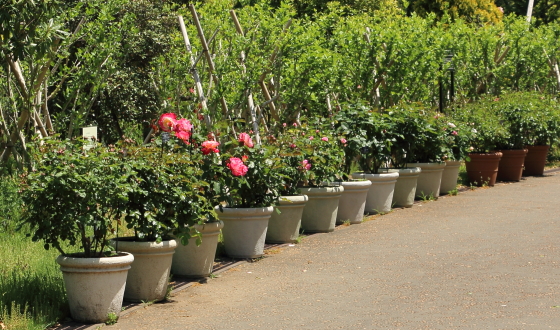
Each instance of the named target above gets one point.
<point>250,102</point>
<point>202,38</point>
<point>194,72</point>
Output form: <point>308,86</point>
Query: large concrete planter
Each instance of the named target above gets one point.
<point>429,181</point>
<point>352,203</point>
<point>511,165</point>
<point>284,227</point>
<point>197,261</point>
<point>149,273</point>
<point>483,168</point>
<point>405,188</point>
<point>94,286</point>
<point>380,194</point>
<point>319,214</point>
<point>244,230</point>
<point>535,160</point>
<point>449,176</point>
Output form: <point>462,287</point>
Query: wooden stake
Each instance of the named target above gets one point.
<point>194,72</point>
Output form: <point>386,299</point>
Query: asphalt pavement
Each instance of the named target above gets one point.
<point>484,259</point>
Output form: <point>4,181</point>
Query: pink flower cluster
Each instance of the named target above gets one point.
<point>182,128</point>
<point>210,147</point>
<point>245,139</point>
<point>305,165</point>
<point>237,167</point>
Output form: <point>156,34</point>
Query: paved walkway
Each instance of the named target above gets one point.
<point>485,259</point>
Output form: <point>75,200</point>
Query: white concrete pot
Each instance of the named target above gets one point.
<point>149,273</point>
<point>353,201</point>
<point>284,227</point>
<point>405,188</point>
<point>197,261</point>
<point>94,286</point>
<point>245,230</point>
<point>429,180</point>
<point>380,195</point>
<point>319,214</point>
<point>449,176</point>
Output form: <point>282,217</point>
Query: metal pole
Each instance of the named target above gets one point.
<point>452,92</point>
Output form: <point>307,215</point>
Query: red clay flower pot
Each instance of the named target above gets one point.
<point>511,165</point>
<point>483,168</point>
<point>535,160</point>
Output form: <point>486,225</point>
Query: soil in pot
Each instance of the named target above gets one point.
<point>511,165</point>
<point>482,168</point>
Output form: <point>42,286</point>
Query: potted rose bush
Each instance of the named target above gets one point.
<point>246,183</point>
<point>285,221</point>
<point>76,198</point>
<point>164,202</point>
<point>323,159</point>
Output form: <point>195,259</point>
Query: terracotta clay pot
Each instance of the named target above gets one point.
<point>483,168</point>
<point>535,160</point>
<point>511,165</point>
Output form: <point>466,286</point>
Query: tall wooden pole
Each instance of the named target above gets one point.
<point>530,11</point>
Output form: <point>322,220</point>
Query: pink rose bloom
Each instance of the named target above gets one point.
<point>295,124</point>
<point>167,122</point>
<point>209,147</point>
<point>183,125</point>
<point>184,135</point>
<point>316,131</point>
<point>284,124</point>
<point>454,133</point>
<point>305,165</point>
<point>246,140</point>
<point>292,145</point>
<point>324,138</point>
<point>343,141</point>
<point>237,167</point>
<point>310,138</point>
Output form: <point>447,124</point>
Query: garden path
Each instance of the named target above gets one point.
<point>485,259</point>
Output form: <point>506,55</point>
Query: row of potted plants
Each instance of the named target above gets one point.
<point>178,192</point>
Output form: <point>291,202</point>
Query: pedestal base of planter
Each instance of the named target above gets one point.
<point>483,168</point>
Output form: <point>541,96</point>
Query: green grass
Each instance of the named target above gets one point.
<point>32,294</point>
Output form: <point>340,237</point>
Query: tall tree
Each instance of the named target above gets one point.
<point>474,11</point>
